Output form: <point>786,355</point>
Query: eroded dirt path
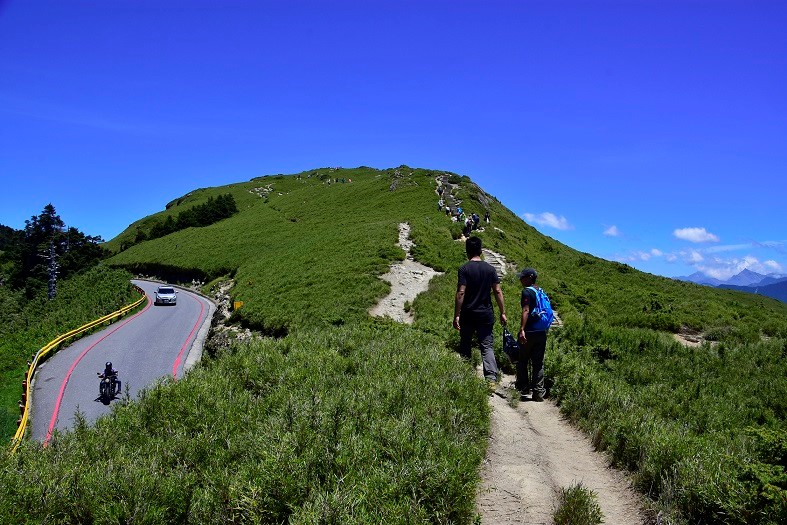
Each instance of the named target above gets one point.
<point>533,453</point>
<point>408,278</point>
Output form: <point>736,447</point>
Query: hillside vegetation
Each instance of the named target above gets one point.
<point>336,418</point>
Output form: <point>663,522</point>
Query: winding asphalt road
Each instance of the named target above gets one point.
<point>156,342</point>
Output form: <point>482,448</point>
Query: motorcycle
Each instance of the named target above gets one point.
<point>109,386</point>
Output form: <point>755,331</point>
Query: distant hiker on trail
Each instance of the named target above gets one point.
<point>473,312</point>
<point>440,205</point>
<point>476,220</point>
<point>486,216</point>
<point>532,336</point>
<point>448,210</point>
<point>468,229</point>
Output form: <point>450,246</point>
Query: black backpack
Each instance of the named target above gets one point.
<point>510,346</point>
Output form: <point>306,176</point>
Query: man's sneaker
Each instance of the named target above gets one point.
<point>537,397</point>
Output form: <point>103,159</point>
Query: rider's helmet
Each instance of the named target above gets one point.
<point>108,367</point>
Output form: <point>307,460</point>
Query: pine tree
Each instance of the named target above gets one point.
<point>47,250</point>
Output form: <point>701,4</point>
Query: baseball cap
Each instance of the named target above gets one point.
<point>527,271</point>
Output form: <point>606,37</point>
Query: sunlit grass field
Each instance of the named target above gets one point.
<point>337,418</point>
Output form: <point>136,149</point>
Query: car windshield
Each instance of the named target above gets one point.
<point>163,290</point>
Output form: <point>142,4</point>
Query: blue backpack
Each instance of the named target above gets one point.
<point>542,311</point>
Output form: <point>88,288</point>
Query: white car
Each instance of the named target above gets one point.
<point>165,295</point>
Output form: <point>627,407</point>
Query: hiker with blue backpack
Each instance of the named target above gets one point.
<point>536,319</point>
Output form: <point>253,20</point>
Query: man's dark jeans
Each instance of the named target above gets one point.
<point>530,367</point>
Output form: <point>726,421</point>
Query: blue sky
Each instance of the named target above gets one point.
<point>649,132</point>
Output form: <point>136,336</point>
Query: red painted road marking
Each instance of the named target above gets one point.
<point>183,348</point>
<point>55,413</point>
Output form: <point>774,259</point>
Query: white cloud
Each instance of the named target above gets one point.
<point>717,273</point>
<point>748,262</point>
<point>612,231</point>
<point>693,257</point>
<point>548,219</point>
<point>695,235</point>
<point>714,261</point>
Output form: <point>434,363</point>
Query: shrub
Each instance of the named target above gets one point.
<point>578,505</point>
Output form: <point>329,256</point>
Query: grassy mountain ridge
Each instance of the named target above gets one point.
<point>306,235</point>
<point>343,419</point>
<point>308,238</point>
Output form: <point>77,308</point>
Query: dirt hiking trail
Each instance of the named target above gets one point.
<point>533,452</point>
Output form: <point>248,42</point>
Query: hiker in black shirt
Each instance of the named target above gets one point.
<point>473,312</point>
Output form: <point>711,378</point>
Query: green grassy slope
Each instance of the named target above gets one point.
<point>310,253</point>
<point>703,429</point>
<point>309,244</point>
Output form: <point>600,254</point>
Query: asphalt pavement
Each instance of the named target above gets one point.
<point>156,342</point>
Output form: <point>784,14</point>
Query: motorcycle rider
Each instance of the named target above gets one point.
<point>112,374</point>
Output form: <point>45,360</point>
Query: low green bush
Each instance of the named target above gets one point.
<point>578,505</point>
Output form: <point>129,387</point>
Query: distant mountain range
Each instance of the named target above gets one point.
<point>771,285</point>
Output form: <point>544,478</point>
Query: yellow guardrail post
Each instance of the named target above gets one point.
<point>38,357</point>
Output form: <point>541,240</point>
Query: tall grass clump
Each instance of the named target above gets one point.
<point>367,424</point>
<point>578,505</point>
